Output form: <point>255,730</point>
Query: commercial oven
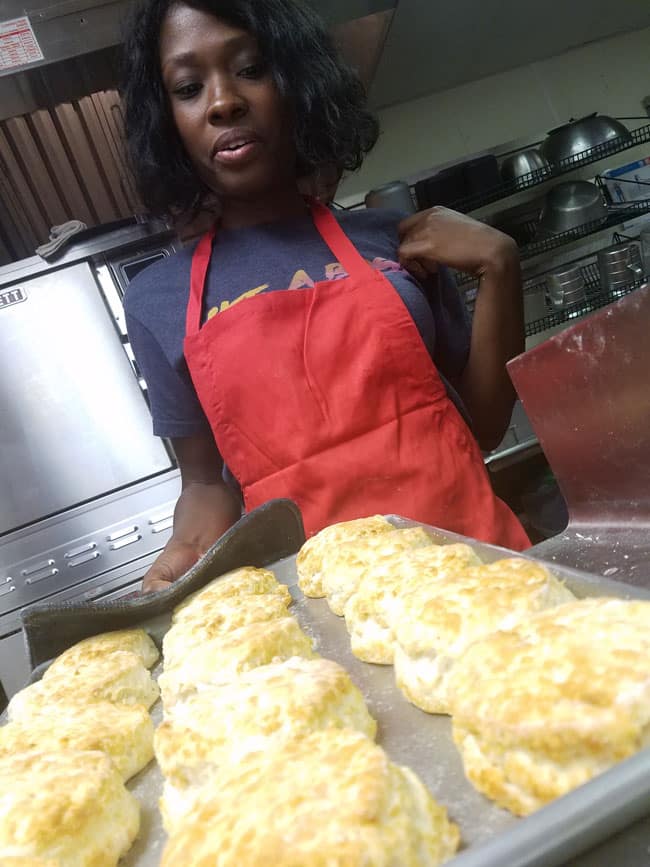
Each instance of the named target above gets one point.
<point>86,491</point>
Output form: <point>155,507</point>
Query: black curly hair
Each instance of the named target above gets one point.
<point>335,128</point>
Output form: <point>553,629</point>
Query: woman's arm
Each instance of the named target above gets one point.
<point>441,236</point>
<point>205,509</point>
<point>497,336</point>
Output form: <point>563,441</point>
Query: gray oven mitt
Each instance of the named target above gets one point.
<point>267,534</point>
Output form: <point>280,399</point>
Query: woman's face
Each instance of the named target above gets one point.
<point>231,119</point>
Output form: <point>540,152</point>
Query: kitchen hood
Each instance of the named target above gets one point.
<point>78,41</point>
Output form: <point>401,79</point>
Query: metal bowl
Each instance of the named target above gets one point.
<point>570,205</point>
<point>578,136</point>
<point>524,163</point>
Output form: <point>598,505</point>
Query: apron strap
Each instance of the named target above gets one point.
<point>200,265</point>
<point>339,243</point>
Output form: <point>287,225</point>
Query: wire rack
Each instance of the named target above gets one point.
<point>568,164</point>
<point>595,298</point>
<point>617,214</point>
<point>530,244</point>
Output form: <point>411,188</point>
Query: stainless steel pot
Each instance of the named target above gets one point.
<point>570,205</point>
<point>395,195</point>
<point>524,163</point>
<point>581,135</point>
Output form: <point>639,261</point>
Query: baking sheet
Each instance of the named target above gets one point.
<point>491,837</point>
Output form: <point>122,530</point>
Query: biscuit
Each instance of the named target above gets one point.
<point>345,565</point>
<point>548,705</point>
<point>256,712</point>
<point>370,610</point>
<point>69,809</point>
<point>244,582</point>
<point>329,798</point>
<point>222,617</point>
<point>124,733</point>
<point>118,677</point>
<point>310,557</point>
<point>229,655</point>
<point>134,640</point>
<point>437,621</point>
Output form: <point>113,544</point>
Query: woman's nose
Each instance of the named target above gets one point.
<point>226,104</point>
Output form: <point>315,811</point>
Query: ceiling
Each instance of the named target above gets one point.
<point>422,47</point>
<point>433,45</point>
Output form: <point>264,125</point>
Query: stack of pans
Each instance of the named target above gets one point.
<point>619,265</point>
<point>566,287</point>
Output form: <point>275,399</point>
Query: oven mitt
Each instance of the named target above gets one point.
<point>262,537</point>
<point>59,237</point>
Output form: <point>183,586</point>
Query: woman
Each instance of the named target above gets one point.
<point>349,393</point>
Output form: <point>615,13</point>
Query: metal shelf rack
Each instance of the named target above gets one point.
<point>617,214</point>
<point>595,298</point>
<point>568,164</point>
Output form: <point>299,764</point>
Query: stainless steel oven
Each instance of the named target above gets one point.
<point>86,491</point>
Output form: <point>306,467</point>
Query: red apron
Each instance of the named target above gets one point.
<point>328,396</point>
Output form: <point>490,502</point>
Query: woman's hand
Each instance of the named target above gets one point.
<point>443,237</point>
<point>202,515</point>
<point>175,560</point>
<point>205,509</point>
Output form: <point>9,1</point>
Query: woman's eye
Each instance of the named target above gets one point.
<point>253,70</point>
<point>187,91</point>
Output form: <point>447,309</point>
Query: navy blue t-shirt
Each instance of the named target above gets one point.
<point>283,255</point>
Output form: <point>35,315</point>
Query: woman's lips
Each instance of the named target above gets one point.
<point>237,154</point>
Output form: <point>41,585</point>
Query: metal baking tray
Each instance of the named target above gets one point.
<point>491,837</point>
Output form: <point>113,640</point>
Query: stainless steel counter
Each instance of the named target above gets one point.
<point>620,553</point>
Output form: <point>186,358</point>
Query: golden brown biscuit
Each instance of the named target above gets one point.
<point>256,712</point>
<point>436,622</point>
<point>219,619</point>
<point>70,808</point>
<point>310,557</point>
<point>227,656</point>
<point>330,798</point>
<point>548,705</point>
<point>117,677</point>
<point>369,612</point>
<point>244,582</point>
<point>345,565</point>
<point>134,640</point>
<point>124,733</point>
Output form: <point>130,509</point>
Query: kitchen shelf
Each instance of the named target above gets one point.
<point>617,214</point>
<point>568,164</point>
<point>596,297</point>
